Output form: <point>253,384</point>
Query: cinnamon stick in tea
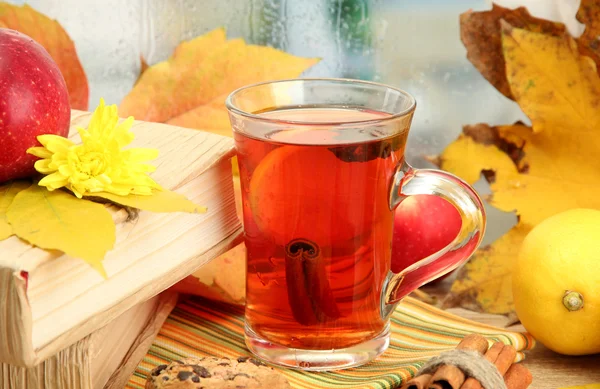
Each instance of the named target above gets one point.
<point>303,307</point>
<point>309,292</point>
<point>518,377</point>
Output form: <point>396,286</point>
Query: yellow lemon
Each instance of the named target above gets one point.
<point>556,282</point>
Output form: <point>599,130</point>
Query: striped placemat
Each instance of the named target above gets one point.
<point>199,327</point>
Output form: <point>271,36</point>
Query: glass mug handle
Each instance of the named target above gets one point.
<point>408,182</point>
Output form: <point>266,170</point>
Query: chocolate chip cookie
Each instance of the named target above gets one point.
<point>216,373</point>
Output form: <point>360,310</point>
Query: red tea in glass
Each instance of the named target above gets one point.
<point>322,170</point>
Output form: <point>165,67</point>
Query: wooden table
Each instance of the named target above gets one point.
<point>549,369</point>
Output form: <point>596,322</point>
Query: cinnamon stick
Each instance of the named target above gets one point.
<point>299,297</point>
<point>505,357</point>
<point>309,293</point>
<point>446,377</point>
<point>450,376</point>
<point>419,382</point>
<point>474,342</point>
<point>518,377</point>
<point>492,354</point>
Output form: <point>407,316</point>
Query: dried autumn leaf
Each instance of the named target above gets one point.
<point>480,33</point>
<point>484,283</point>
<point>143,65</point>
<point>223,279</point>
<point>8,192</point>
<point>58,220</point>
<point>160,201</point>
<point>485,157</point>
<point>537,171</point>
<point>589,14</point>
<point>189,89</point>
<point>49,33</point>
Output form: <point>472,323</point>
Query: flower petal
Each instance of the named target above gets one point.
<point>76,191</point>
<point>55,143</point>
<point>83,133</point>
<point>54,181</point>
<point>66,170</point>
<point>43,166</point>
<point>145,167</point>
<point>140,154</point>
<point>104,179</point>
<point>40,152</point>
<point>122,133</point>
<point>121,190</point>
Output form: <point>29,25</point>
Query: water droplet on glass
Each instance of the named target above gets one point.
<point>270,135</point>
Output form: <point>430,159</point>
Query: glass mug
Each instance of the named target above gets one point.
<point>322,170</point>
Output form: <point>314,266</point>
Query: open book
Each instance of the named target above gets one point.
<point>50,300</point>
<point>104,359</point>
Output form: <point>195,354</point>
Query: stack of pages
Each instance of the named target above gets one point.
<point>62,325</point>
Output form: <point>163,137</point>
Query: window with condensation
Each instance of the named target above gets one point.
<point>411,44</point>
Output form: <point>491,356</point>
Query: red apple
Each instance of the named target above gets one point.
<point>33,101</point>
<point>423,225</point>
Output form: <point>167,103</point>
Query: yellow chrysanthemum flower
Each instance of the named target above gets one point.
<point>99,163</point>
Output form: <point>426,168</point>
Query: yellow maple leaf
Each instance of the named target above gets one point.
<point>484,157</point>
<point>484,283</point>
<point>58,220</point>
<point>8,192</point>
<point>223,278</point>
<point>538,171</point>
<point>189,89</point>
<point>553,84</point>
<point>160,201</point>
<point>49,33</point>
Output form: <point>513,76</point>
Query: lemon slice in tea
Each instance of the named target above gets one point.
<point>306,192</point>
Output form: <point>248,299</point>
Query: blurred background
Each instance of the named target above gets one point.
<point>411,44</point>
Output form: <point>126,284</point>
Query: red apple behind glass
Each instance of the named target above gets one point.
<point>33,101</point>
<point>423,225</point>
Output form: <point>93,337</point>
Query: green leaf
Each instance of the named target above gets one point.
<point>8,192</point>
<point>58,220</point>
<point>160,201</point>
